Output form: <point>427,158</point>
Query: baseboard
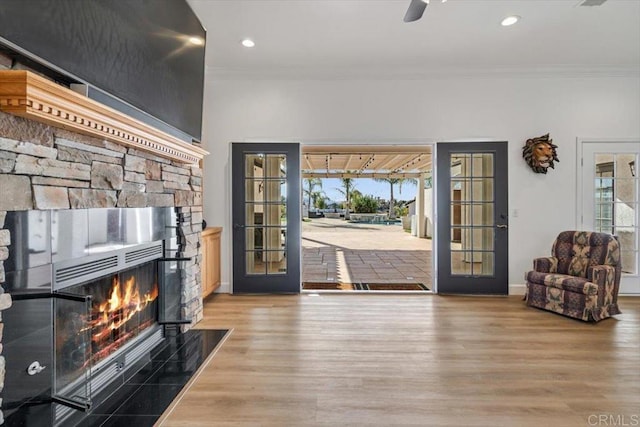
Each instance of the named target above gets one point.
<point>516,289</point>
<point>225,288</point>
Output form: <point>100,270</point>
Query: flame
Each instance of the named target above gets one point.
<point>123,303</point>
<point>131,294</point>
<point>152,295</point>
<point>114,300</point>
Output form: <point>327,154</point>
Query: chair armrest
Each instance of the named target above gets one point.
<point>602,275</point>
<point>546,265</point>
<point>605,277</point>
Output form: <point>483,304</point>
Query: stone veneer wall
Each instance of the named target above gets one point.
<point>42,167</point>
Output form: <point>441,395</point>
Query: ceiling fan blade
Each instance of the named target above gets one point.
<point>415,11</point>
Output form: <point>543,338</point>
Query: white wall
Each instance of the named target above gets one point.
<point>440,109</point>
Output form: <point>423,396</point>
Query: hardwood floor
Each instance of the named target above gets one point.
<point>384,360</point>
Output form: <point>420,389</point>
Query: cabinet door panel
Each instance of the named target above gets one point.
<point>210,260</point>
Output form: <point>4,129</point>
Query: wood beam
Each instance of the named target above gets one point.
<point>306,158</point>
<point>367,163</point>
<point>348,162</point>
<point>391,160</point>
<point>360,175</point>
<point>366,149</point>
<point>401,160</point>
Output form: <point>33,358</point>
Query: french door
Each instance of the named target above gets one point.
<point>608,200</point>
<point>472,227</point>
<point>266,217</point>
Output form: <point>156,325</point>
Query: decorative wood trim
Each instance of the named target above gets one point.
<point>211,231</point>
<point>28,95</point>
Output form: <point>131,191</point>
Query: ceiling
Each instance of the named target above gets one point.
<point>367,38</point>
<point>336,39</point>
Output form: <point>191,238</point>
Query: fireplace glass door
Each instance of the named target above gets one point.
<point>121,307</point>
<point>72,364</point>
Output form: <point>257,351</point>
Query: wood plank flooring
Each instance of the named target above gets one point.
<point>422,360</point>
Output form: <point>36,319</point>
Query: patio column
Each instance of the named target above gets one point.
<point>420,219</point>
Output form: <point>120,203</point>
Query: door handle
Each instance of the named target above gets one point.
<point>502,226</point>
<point>238,226</point>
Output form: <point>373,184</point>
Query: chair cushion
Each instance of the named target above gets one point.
<point>563,281</point>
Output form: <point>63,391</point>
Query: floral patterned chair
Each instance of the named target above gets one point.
<point>581,279</point>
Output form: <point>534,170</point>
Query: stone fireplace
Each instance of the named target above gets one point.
<point>61,162</point>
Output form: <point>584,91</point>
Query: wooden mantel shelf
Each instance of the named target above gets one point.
<point>28,95</point>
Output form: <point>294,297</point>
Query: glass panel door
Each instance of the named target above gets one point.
<point>610,201</point>
<point>266,217</point>
<point>472,218</point>
<point>265,213</point>
<point>472,207</point>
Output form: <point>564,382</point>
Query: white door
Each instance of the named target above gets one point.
<point>610,193</point>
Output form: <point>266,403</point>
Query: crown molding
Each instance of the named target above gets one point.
<point>419,73</point>
<point>31,96</point>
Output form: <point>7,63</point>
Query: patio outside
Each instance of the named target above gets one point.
<point>335,250</point>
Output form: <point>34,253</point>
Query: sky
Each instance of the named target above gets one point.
<point>367,186</point>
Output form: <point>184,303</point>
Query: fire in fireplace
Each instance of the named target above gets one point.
<point>122,306</point>
<point>126,312</point>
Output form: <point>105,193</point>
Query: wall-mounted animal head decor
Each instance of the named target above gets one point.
<point>540,153</point>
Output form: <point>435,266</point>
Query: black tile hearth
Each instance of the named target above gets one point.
<point>122,420</point>
<point>147,393</point>
<point>150,399</point>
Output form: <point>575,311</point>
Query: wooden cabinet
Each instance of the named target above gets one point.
<point>210,260</point>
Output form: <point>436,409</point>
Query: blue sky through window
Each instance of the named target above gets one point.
<point>367,186</point>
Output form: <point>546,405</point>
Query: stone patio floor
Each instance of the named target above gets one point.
<point>335,250</point>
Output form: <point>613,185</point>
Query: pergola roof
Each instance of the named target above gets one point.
<point>365,161</point>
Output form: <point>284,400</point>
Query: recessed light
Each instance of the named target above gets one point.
<point>196,40</point>
<point>510,20</point>
<point>248,43</point>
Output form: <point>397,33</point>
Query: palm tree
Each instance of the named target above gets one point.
<point>355,195</point>
<point>311,183</point>
<point>349,185</point>
<point>392,182</point>
<point>319,199</point>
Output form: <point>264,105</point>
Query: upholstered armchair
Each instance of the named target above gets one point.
<point>581,279</point>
